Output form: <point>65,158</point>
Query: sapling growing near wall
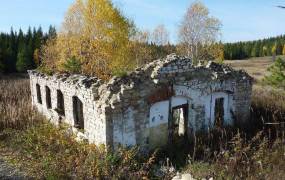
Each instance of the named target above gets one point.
<point>72,65</point>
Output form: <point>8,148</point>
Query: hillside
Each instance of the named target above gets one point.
<point>256,67</point>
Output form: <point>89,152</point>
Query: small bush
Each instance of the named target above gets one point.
<point>72,65</point>
<point>277,74</point>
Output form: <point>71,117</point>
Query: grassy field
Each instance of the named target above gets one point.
<point>256,67</point>
<point>43,151</point>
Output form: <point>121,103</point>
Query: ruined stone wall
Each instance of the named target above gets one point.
<point>94,127</point>
<point>136,109</point>
<point>139,104</point>
<point>148,125</point>
<point>242,101</point>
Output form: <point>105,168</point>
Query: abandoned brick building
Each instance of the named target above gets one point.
<point>165,98</point>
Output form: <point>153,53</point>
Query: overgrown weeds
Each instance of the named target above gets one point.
<point>254,158</point>
<point>52,153</point>
<point>15,104</point>
<point>255,152</point>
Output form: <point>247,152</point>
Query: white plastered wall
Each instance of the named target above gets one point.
<point>94,126</point>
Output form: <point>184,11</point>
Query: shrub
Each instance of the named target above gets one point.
<point>72,65</point>
<point>277,74</point>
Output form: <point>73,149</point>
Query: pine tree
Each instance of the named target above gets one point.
<point>72,65</point>
<point>24,61</point>
<point>254,52</point>
<point>2,65</point>
<point>283,52</point>
<point>51,32</point>
<point>277,74</point>
<point>38,38</point>
<point>11,43</point>
<point>257,48</point>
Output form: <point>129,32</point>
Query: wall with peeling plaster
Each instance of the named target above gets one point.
<point>136,109</point>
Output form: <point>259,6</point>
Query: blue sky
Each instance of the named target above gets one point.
<point>241,19</point>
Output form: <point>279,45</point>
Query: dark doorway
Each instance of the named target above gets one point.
<point>219,112</point>
<point>60,103</point>
<point>179,123</point>
<point>179,144</point>
<point>39,95</point>
<point>48,98</point>
<point>78,113</point>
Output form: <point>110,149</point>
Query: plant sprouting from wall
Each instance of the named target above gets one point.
<point>72,65</point>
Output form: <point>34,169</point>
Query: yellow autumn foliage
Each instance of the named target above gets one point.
<point>96,34</point>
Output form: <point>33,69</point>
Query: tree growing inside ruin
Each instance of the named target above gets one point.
<point>198,31</point>
<point>97,35</point>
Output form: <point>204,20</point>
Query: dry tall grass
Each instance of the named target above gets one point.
<point>48,152</point>
<point>15,104</point>
<point>267,110</point>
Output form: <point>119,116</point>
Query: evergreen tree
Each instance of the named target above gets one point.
<point>13,49</point>
<point>72,65</point>
<point>24,62</point>
<point>2,65</point>
<point>259,48</point>
<point>277,74</point>
<point>51,32</point>
<point>12,43</point>
<point>38,38</point>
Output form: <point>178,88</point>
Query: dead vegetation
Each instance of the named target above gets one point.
<point>48,152</point>
<point>15,104</point>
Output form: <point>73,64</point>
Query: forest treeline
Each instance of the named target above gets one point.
<point>19,50</point>
<point>266,47</point>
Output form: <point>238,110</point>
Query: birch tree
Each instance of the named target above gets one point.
<point>198,31</point>
<point>160,35</point>
<point>96,34</point>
